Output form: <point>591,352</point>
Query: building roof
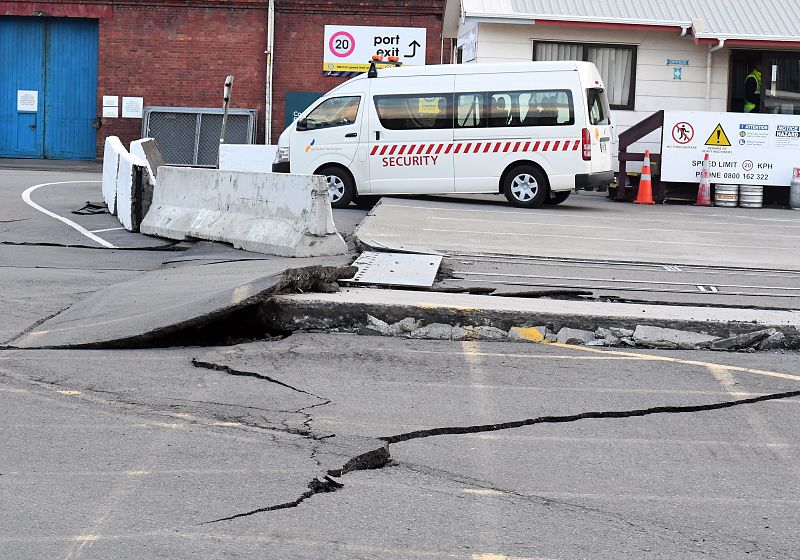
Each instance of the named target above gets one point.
<point>705,20</point>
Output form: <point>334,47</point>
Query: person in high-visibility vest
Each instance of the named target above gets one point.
<point>752,90</point>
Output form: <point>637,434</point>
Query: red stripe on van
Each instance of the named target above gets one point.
<point>508,145</point>
<point>555,146</point>
<point>566,146</point>
<point>449,148</point>
<point>374,150</point>
<point>384,148</point>
<point>467,147</point>
<point>458,148</point>
<point>402,150</point>
<point>421,147</point>
<point>430,149</point>
<point>477,147</point>
<point>393,150</point>
<point>488,147</point>
<point>526,146</point>
<point>496,147</point>
<point>546,146</point>
<point>516,146</point>
<point>536,147</point>
<point>575,146</point>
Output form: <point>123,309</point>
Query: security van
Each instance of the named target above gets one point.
<point>532,131</point>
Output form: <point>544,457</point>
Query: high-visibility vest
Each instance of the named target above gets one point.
<point>756,75</point>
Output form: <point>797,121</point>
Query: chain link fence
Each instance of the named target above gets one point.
<point>190,135</point>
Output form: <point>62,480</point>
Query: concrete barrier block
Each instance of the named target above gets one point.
<point>111,152</point>
<point>132,180</point>
<point>247,157</point>
<point>147,149</point>
<point>273,213</point>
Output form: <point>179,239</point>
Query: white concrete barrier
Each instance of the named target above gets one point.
<point>131,180</point>
<point>126,184</point>
<point>274,213</point>
<point>247,157</point>
<point>111,152</point>
<point>147,149</point>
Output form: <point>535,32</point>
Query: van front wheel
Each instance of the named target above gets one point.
<point>526,187</point>
<point>341,187</point>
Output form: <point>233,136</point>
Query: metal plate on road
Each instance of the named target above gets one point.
<point>396,269</point>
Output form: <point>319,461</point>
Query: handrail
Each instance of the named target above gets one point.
<point>631,136</point>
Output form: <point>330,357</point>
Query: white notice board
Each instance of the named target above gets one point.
<point>349,48</point>
<point>132,107</point>
<point>27,101</point>
<point>749,149</point>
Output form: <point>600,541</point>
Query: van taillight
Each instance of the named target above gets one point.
<point>586,145</point>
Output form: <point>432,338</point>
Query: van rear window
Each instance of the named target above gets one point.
<point>599,113</point>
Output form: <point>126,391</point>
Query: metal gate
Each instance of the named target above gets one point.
<point>48,87</point>
<point>190,136</point>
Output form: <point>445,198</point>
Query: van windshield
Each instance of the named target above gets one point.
<point>599,113</point>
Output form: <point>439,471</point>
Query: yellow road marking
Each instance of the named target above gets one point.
<point>68,392</point>
<point>532,334</point>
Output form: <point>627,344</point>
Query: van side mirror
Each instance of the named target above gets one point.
<point>302,124</point>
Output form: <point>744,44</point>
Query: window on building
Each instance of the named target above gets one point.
<point>616,63</point>
<point>337,111</point>
<point>418,111</point>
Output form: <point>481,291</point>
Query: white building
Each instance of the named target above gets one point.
<point>653,55</point>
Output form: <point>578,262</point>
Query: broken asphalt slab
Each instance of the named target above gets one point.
<point>148,309</point>
<point>349,308</point>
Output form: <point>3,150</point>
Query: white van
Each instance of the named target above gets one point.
<point>534,131</point>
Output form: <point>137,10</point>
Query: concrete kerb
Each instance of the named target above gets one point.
<point>274,213</point>
<point>611,324</point>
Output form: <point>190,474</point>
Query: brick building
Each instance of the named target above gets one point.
<point>172,53</point>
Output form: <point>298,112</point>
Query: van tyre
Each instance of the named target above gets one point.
<point>526,186</point>
<point>341,187</point>
<point>557,197</point>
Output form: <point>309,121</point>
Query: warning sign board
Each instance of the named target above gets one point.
<point>745,149</point>
<point>718,137</point>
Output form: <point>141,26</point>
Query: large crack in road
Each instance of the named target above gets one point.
<point>380,457</point>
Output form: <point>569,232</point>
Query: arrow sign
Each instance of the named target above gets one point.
<point>413,44</point>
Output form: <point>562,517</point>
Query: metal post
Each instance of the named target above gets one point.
<point>226,100</point>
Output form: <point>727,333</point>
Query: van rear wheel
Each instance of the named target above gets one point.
<point>526,187</point>
<point>341,187</point>
<point>557,197</point>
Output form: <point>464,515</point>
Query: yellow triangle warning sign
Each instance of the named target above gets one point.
<point>718,137</point>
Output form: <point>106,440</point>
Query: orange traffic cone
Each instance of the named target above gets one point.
<point>645,195</point>
<point>704,192</point>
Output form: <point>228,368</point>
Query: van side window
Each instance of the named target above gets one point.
<point>471,110</point>
<point>417,111</point>
<point>337,111</point>
<point>500,106</point>
<point>546,108</point>
<point>598,107</point>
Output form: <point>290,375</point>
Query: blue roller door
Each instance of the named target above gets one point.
<point>57,58</point>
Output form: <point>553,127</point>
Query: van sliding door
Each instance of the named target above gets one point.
<point>411,135</point>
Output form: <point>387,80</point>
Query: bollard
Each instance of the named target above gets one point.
<point>794,190</point>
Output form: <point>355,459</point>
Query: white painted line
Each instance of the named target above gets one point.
<point>651,241</point>
<point>561,223</point>
<point>26,196</point>
<point>107,229</point>
<point>698,218</point>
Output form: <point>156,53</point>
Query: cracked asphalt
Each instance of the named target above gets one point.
<point>338,446</point>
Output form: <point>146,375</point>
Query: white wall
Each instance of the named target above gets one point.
<point>655,87</point>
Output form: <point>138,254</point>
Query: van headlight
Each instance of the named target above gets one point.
<point>283,155</point>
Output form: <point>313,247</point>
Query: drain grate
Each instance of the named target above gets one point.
<point>396,269</point>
